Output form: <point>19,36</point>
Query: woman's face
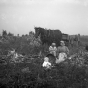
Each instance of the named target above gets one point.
<point>62,44</point>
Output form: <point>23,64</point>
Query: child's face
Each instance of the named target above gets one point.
<point>46,59</point>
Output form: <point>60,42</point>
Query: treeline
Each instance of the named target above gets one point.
<point>27,44</point>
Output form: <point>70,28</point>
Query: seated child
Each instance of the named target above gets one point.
<point>46,63</point>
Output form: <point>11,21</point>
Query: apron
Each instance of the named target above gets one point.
<point>61,57</point>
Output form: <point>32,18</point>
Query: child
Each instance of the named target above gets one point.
<point>53,49</point>
<point>46,63</point>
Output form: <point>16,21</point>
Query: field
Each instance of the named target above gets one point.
<point>29,73</point>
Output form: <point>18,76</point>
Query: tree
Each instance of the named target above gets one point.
<point>17,35</point>
<point>31,32</point>
<point>10,34</point>
<point>4,33</point>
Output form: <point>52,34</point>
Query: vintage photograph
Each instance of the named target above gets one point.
<point>44,43</point>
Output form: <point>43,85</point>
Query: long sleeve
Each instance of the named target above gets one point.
<point>62,49</point>
<point>67,50</point>
<point>50,49</point>
<point>57,52</point>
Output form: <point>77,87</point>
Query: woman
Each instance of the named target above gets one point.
<point>62,52</point>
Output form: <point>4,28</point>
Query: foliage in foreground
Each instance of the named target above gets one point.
<point>72,73</point>
<point>69,74</point>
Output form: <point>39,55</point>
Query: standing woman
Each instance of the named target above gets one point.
<point>62,52</point>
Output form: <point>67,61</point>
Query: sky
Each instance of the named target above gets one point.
<point>21,16</point>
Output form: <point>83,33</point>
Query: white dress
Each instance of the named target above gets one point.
<point>46,63</point>
<point>61,57</point>
<point>52,50</point>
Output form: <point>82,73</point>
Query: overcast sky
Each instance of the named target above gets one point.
<point>20,16</point>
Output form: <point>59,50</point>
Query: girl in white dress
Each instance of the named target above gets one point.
<point>53,49</point>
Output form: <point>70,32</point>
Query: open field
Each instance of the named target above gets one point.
<point>29,73</point>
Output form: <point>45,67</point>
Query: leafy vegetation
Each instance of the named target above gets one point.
<point>29,73</point>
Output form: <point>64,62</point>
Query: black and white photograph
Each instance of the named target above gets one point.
<point>43,43</point>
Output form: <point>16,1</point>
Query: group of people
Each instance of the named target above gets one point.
<point>61,53</point>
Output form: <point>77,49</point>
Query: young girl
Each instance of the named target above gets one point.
<point>53,49</point>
